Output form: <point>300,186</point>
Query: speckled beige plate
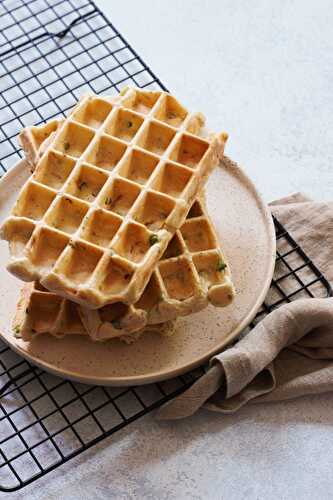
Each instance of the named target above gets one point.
<point>246,229</point>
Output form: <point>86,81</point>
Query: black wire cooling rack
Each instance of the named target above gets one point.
<point>50,53</point>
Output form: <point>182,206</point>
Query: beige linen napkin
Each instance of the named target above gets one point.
<point>290,352</point>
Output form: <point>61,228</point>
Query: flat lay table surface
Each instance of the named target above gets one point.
<point>263,72</point>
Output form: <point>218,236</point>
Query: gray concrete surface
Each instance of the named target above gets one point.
<point>263,71</point>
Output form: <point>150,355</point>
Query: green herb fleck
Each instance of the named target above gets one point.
<point>116,324</point>
<point>108,200</point>
<point>221,265</point>
<point>153,238</point>
<point>67,146</point>
<point>17,329</point>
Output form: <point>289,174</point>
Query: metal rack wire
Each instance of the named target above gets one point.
<point>50,53</point>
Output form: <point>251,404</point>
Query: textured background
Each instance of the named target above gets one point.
<point>263,72</point>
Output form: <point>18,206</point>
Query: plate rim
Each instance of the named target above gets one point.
<point>200,359</point>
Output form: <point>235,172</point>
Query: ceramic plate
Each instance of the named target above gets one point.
<point>245,228</point>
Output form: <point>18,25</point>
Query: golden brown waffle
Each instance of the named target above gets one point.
<point>40,311</point>
<point>191,273</point>
<point>107,196</point>
<point>215,287</point>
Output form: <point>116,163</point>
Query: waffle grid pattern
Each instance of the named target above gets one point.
<point>46,421</point>
<point>184,290</point>
<point>181,283</point>
<point>63,216</point>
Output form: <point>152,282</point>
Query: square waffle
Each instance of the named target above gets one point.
<point>99,211</point>
<point>193,256</point>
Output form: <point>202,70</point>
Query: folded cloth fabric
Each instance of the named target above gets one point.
<point>290,352</point>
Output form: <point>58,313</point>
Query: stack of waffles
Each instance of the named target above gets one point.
<point>111,231</point>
